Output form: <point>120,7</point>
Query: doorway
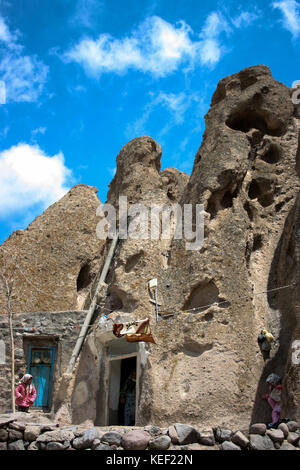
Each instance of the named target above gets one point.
<point>40,366</point>
<point>122,391</point>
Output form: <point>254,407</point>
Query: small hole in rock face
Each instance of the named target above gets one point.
<point>246,79</point>
<point>227,200</point>
<point>84,277</point>
<point>257,242</point>
<point>221,200</point>
<point>254,191</point>
<point>211,208</point>
<point>262,191</point>
<point>273,154</point>
<point>171,195</point>
<point>279,206</point>
<point>115,301</point>
<point>133,261</point>
<point>245,119</point>
<point>202,295</point>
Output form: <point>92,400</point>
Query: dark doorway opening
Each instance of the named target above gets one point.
<point>122,398</point>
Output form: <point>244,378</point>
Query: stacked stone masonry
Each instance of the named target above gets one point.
<point>27,433</point>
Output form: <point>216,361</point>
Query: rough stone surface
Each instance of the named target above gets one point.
<point>276,435</point>
<point>16,445</point>
<point>287,446</point>
<point>135,440</point>
<point>259,442</point>
<point>293,438</point>
<point>56,436</point>
<point>112,438</point>
<point>14,435</point>
<point>186,434</point>
<point>195,446</point>
<point>52,251</point>
<point>160,443</point>
<point>284,429</point>
<point>227,445</point>
<point>173,434</point>
<point>258,428</point>
<point>3,435</point>
<point>207,438</point>
<point>86,439</point>
<point>223,434</point>
<point>154,430</point>
<point>240,439</point>
<point>103,447</point>
<point>3,446</point>
<point>31,433</point>
<point>33,446</point>
<point>18,426</point>
<point>292,426</point>
<point>55,446</point>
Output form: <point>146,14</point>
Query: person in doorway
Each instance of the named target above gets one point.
<point>274,398</point>
<point>127,397</point>
<point>25,393</point>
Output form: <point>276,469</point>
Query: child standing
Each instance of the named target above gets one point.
<point>274,397</point>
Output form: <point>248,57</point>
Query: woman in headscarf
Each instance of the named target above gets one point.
<point>25,393</point>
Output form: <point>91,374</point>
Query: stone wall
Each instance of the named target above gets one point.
<point>38,329</point>
<point>18,432</point>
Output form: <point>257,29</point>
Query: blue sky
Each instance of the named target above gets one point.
<point>80,78</point>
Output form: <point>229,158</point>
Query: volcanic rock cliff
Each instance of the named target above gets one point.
<point>54,260</point>
<point>206,365</point>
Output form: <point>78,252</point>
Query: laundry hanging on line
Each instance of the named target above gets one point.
<point>134,331</point>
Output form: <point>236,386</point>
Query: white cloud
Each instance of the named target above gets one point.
<point>24,76</point>
<point>215,24</point>
<point>155,47</point>
<point>290,10</point>
<point>29,177</point>
<point>175,104</point>
<point>85,12</point>
<point>5,34</point>
<point>38,130</point>
<point>245,19</point>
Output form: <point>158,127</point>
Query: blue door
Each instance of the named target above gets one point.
<point>40,366</point>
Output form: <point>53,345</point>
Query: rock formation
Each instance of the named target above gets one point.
<point>206,366</point>
<point>56,258</point>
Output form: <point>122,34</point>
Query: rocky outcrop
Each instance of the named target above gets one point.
<point>213,300</point>
<point>56,258</point>
<point>286,270</point>
<point>245,175</point>
<point>207,364</point>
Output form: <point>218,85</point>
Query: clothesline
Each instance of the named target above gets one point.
<point>179,312</point>
<point>216,303</point>
<point>223,301</point>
